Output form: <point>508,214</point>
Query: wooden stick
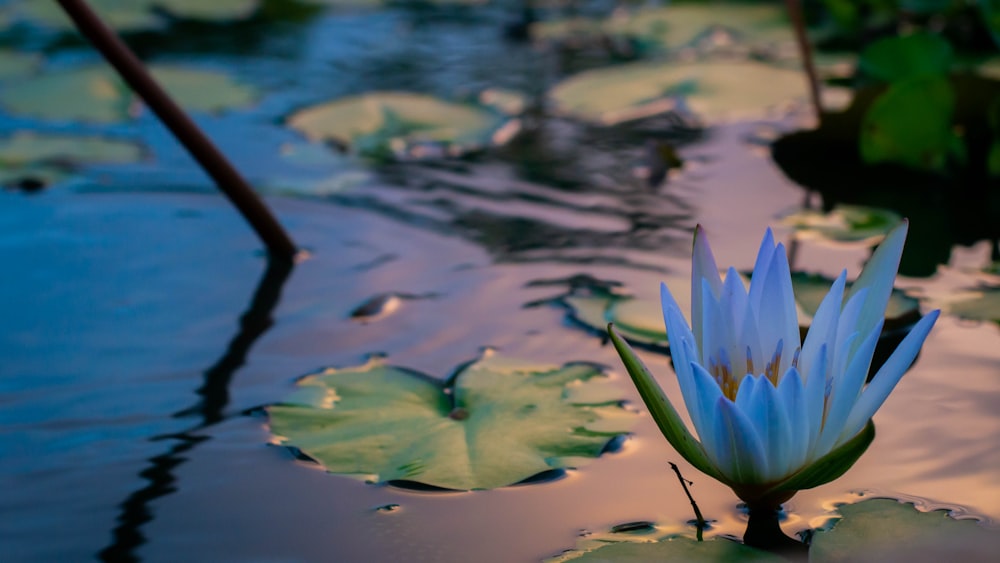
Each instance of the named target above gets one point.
<point>226,177</point>
<point>799,23</point>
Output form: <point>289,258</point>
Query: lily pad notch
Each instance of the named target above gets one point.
<point>495,422</point>
<point>225,175</point>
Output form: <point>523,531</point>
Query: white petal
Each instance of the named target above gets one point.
<point>847,326</point>
<point>878,277</point>
<point>708,394</point>
<point>793,398</point>
<point>760,269</point>
<point>712,330</point>
<point>773,428</point>
<point>777,314</point>
<point>815,388</point>
<point>703,268</point>
<point>846,390</point>
<point>741,454</point>
<point>888,376</point>
<point>823,328</point>
<point>744,394</point>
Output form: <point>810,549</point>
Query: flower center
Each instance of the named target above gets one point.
<point>722,369</point>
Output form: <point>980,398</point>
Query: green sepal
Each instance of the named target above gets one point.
<point>831,466</point>
<point>663,412</point>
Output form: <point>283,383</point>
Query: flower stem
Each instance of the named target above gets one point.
<point>699,519</point>
<point>764,532</point>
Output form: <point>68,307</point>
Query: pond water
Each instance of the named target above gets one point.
<point>144,329</point>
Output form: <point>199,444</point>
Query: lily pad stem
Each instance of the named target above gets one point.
<point>799,23</point>
<point>699,519</point>
<point>226,177</point>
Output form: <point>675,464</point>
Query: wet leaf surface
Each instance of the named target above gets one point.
<point>889,530</point>
<point>844,223</point>
<point>711,90</point>
<point>132,15</point>
<point>495,423</point>
<point>27,158</point>
<point>386,125</point>
<point>96,94</point>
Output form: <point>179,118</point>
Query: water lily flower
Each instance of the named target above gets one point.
<point>774,414</point>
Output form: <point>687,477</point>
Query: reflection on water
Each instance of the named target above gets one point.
<point>120,300</point>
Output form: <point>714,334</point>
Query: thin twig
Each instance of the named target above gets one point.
<point>132,70</point>
<point>805,50</point>
<point>699,519</point>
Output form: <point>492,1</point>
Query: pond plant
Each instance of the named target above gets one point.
<point>798,415</point>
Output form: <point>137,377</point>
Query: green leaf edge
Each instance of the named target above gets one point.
<point>662,411</point>
<point>831,466</point>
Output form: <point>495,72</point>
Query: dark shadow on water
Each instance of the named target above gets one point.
<point>135,511</point>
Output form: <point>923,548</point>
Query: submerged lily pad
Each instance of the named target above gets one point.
<point>399,125</point>
<point>96,94</point>
<point>888,530</point>
<point>133,15</point>
<point>14,64</point>
<point>37,159</point>
<point>711,90</point>
<point>495,423</point>
<point>845,223</point>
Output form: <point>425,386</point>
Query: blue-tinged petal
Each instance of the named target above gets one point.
<point>760,269</point>
<point>823,329</point>
<point>847,326</point>
<point>878,277</point>
<point>708,394</point>
<point>773,428</point>
<point>741,454</point>
<point>888,376</point>
<point>734,308</point>
<point>703,268</point>
<point>778,316</point>
<point>745,392</point>
<point>681,355</point>
<point>712,330</point>
<point>846,390</point>
<point>793,397</point>
<point>815,392</point>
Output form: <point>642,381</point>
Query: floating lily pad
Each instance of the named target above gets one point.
<point>399,125</point>
<point>845,223</point>
<point>888,530</point>
<point>979,305</point>
<point>711,90</point>
<point>677,549</point>
<point>96,94</point>
<point>679,25</point>
<point>133,15</point>
<point>37,159</point>
<point>495,423</point>
<point>14,64</point>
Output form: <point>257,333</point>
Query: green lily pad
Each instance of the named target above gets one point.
<point>676,549</point>
<point>911,124</point>
<point>133,15</point>
<point>888,530</point>
<point>711,90</point>
<point>14,64</point>
<point>43,159</point>
<point>979,305</point>
<point>399,125</point>
<point>96,94</point>
<point>678,25</point>
<point>495,423</point>
<point>845,223</point>
<point>919,55</point>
